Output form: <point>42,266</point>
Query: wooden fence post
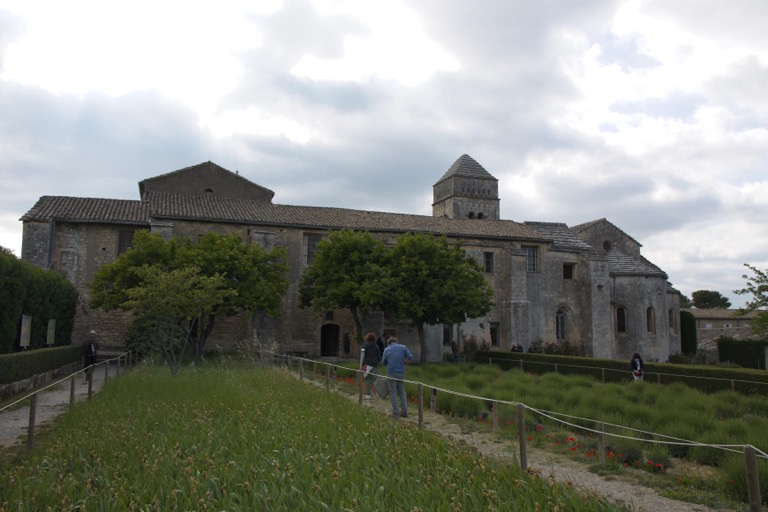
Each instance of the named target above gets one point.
<point>753,480</point>
<point>31,430</point>
<point>72,391</point>
<point>521,436</point>
<point>521,365</point>
<point>421,404</point>
<point>360,388</point>
<point>301,370</point>
<point>433,400</point>
<point>601,428</point>
<point>90,381</point>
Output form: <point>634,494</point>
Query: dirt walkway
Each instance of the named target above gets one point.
<point>52,402</point>
<point>545,464</point>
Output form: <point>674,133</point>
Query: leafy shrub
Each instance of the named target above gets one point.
<point>471,344</point>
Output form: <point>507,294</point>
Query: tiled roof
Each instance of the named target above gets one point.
<point>622,264</point>
<point>86,209</point>
<point>223,209</point>
<point>718,314</point>
<point>578,228</point>
<point>468,167</point>
<point>563,238</point>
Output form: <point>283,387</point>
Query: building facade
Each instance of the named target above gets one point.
<point>584,284</point>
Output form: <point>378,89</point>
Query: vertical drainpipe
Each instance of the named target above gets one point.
<point>51,239</point>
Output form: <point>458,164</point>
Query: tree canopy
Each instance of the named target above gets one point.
<point>757,287</point>
<point>255,275</point>
<point>434,282</point>
<point>173,301</point>
<point>347,272</point>
<point>421,280</point>
<point>710,299</point>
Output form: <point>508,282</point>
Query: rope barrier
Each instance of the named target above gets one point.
<point>558,417</point>
<point>56,383</point>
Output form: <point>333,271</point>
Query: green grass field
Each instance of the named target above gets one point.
<point>252,438</point>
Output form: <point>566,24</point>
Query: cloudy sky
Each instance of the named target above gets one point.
<point>650,113</point>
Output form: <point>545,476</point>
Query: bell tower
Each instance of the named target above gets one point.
<point>466,191</point>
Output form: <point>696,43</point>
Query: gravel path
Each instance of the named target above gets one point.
<point>51,402</point>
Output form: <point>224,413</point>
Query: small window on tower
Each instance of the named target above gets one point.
<point>568,270</point>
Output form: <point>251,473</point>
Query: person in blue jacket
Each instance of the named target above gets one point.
<point>395,357</point>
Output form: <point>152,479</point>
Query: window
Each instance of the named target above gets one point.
<point>494,334</point>
<point>561,325</point>
<point>125,241</point>
<point>310,247</point>
<point>488,259</point>
<point>671,319</point>
<point>568,270</point>
<point>621,320</point>
<point>531,257</point>
<point>650,319</point>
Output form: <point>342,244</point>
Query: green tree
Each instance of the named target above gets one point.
<point>710,299</point>
<point>757,287</point>
<point>172,302</point>
<point>434,282</point>
<point>347,272</point>
<point>255,274</point>
<point>685,302</point>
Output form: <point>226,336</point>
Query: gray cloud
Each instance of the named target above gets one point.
<point>381,145</point>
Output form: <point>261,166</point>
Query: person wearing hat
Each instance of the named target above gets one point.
<point>395,357</point>
<point>90,352</point>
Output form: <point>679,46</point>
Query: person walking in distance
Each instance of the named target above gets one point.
<point>371,358</point>
<point>90,353</point>
<point>638,367</point>
<point>395,357</point>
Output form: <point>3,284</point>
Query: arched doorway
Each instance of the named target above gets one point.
<point>329,340</point>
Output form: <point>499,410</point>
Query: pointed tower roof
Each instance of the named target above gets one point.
<point>466,166</point>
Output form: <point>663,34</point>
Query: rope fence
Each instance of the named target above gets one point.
<point>122,361</point>
<point>751,453</point>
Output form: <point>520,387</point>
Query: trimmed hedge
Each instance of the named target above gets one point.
<point>688,341</point>
<point>708,379</point>
<point>42,294</point>
<point>745,353</point>
<point>23,365</point>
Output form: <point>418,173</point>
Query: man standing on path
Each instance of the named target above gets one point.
<point>90,353</point>
<point>395,357</point>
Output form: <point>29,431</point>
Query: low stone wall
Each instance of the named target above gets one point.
<point>8,391</point>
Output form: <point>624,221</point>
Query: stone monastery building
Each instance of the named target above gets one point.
<point>587,283</point>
